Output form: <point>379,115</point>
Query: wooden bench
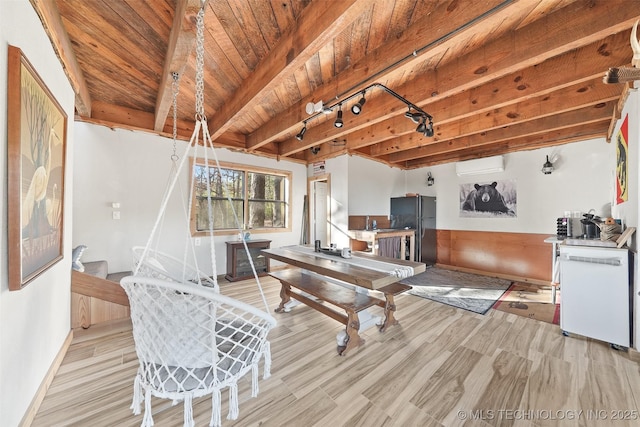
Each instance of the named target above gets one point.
<point>97,296</point>
<point>347,299</point>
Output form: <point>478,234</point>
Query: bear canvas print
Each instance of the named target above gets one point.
<point>495,199</point>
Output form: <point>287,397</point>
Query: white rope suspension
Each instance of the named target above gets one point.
<point>208,143</point>
<point>191,340</point>
<point>192,147</point>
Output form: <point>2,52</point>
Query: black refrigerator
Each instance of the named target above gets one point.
<point>417,212</point>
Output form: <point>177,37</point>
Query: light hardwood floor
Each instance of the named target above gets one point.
<point>441,367</point>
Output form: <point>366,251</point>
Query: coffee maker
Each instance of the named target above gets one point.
<point>590,226</point>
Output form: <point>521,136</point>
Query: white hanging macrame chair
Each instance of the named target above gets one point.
<point>192,341</point>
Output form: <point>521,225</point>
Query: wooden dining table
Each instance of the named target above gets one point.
<point>318,273</point>
<point>363,269</point>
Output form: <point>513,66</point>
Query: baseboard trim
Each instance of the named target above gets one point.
<point>32,410</point>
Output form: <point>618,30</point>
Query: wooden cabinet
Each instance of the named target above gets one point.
<point>238,266</point>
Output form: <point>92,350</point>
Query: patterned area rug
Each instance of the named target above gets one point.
<point>468,291</point>
<point>530,301</point>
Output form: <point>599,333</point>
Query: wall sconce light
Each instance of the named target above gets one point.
<point>547,168</point>
<point>430,180</point>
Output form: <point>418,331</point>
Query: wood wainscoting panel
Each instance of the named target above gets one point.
<point>518,255</point>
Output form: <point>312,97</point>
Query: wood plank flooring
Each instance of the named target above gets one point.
<point>441,366</point>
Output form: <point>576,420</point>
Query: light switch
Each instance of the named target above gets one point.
<point>116,214</point>
<point>115,205</point>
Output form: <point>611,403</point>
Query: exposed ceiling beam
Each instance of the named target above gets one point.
<point>52,23</point>
<point>591,114</point>
<point>452,22</point>
<point>563,100</point>
<point>181,41</point>
<point>317,25</point>
<point>579,132</point>
<point>552,34</point>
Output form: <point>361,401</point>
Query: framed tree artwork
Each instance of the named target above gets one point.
<point>36,131</point>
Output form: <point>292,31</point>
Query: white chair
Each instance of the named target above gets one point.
<point>191,341</point>
<point>166,267</point>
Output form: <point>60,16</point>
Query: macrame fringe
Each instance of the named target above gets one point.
<point>254,380</point>
<point>216,409</point>
<point>147,419</point>
<point>267,360</point>
<point>137,396</point>
<point>188,411</point>
<point>233,402</point>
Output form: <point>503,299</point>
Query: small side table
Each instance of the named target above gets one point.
<point>238,265</point>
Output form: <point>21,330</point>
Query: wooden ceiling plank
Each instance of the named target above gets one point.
<point>560,101</point>
<point>247,53</point>
<point>452,24</point>
<point>542,125</point>
<point>556,137</point>
<point>243,11</point>
<point>181,41</point>
<point>317,26</point>
<point>52,23</point>
<point>538,82</point>
<point>460,78</point>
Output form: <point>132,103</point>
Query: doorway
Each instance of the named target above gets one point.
<point>319,190</point>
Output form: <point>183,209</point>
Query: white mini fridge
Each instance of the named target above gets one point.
<point>596,293</point>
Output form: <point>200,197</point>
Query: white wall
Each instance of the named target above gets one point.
<point>628,210</point>
<point>370,186</point>
<point>338,168</point>
<point>34,321</point>
<point>583,180</point>
<point>133,169</point>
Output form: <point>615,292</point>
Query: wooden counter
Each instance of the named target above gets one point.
<point>372,237</point>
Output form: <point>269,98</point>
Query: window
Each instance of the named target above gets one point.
<point>260,198</point>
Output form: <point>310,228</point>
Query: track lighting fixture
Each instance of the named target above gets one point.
<point>357,108</point>
<point>315,150</point>
<point>425,129</point>
<point>414,117</point>
<point>415,113</point>
<point>429,131</point>
<point>339,123</point>
<point>300,135</point>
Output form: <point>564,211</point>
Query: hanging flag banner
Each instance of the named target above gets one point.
<point>622,166</point>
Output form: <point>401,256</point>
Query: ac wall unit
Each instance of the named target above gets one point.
<point>480,166</point>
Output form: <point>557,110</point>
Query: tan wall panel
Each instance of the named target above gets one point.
<point>523,255</point>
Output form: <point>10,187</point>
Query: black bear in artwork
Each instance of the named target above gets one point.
<point>486,198</point>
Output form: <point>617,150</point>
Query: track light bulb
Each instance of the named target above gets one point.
<point>357,108</point>
<point>339,123</point>
<point>415,117</point>
<point>300,135</point>
<point>429,131</point>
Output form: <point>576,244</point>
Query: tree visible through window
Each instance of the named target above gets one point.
<point>258,197</point>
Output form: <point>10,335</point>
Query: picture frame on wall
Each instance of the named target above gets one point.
<point>36,153</point>
<point>493,199</point>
